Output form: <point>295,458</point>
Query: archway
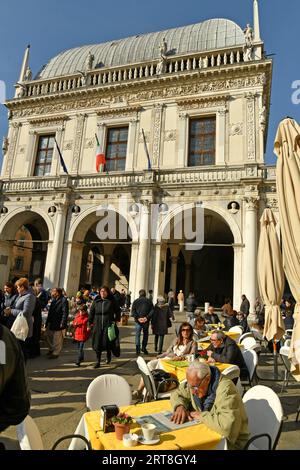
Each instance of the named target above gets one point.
<point>207,271</point>
<point>99,252</point>
<point>24,244</point>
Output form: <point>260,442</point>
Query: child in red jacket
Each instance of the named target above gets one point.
<point>81,333</point>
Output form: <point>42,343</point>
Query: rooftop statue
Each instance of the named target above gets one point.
<point>28,74</point>
<point>161,66</point>
<point>89,61</point>
<point>248,32</point>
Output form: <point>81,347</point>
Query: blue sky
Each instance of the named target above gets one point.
<point>51,27</point>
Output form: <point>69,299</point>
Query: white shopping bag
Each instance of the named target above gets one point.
<point>20,327</point>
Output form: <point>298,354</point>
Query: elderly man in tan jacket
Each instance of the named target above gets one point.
<point>214,400</point>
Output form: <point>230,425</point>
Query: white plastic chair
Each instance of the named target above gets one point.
<point>151,391</point>
<point>246,335</point>
<point>30,438</point>
<point>251,360</point>
<point>232,372</point>
<point>250,343</point>
<point>284,354</point>
<point>265,416</point>
<point>108,389</point>
<point>236,329</point>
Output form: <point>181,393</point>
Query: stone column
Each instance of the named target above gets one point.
<point>55,249</point>
<point>250,251</point>
<point>160,269</point>
<point>220,136</point>
<point>173,277</point>
<point>131,145</point>
<point>133,270</point>
<point>106,269</point>
<point>237,276</point>
<point>144,249</point>
<point>73,268</point>
<point>182,139</point>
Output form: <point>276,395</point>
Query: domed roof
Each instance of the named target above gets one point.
<point>200,37</point>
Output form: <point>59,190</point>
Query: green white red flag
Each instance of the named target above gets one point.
<point>100,157</point>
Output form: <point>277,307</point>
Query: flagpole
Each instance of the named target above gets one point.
<point>146,150</point>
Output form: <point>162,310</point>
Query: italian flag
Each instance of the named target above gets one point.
<point>100,157</point>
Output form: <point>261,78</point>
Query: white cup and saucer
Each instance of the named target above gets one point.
<point>149,436</point>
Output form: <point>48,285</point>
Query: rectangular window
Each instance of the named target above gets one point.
<point>202,141</point>
<point>116,148</point>
<point>44,155</point>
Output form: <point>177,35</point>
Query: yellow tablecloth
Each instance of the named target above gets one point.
<point>180,371</point>
<point>198,437</point>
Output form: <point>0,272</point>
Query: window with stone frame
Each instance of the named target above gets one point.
<point>116,148</point>
<point>44,155</point>
<point>202,141</point>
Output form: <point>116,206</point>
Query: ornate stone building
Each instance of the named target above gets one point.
<point>197,97</point>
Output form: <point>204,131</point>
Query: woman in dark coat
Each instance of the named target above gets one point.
<point>161,321</point>
<point>104,312</point>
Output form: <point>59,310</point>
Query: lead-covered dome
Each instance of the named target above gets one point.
<point>200,37</point>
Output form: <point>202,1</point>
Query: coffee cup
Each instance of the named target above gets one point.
<point>148,431</point>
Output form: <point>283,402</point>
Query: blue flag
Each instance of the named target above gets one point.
<point>146,150</point>
<point>62,162</point>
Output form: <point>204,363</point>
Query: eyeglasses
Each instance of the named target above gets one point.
<point>186,329</point>
<point>195,388</point>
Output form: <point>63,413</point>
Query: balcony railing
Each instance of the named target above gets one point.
<point>116,180</point>
<point>115,75</point>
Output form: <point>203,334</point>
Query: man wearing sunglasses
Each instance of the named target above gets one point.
<point>212,399</point>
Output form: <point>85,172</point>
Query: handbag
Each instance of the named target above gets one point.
<point>20,327</point>
<point>111,332</point>
<point>164,381</point>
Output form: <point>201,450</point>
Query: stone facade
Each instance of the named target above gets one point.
<point>64,207</point>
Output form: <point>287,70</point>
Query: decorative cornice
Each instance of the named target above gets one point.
<point>48,121</point>
<point>142,90</point>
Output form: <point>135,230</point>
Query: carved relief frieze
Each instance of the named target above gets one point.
<point>78,141</point>
<point>148,93</point>
<point>50,121</point>
<point>12,147</point>
<point>156,136</point>
<point>250,111</point>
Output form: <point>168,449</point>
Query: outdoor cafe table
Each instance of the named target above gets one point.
<point>198,437</point>
<point>179,368</point>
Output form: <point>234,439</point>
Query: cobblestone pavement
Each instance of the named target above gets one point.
<point>58,388</point>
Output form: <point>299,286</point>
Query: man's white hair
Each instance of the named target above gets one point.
<point>201,369</point>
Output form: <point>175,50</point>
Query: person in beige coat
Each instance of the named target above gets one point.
<point>180,299</point>
<point>212,399</point>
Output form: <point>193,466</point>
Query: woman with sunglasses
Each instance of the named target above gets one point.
<point>180,347</point>
<point>183,345</point>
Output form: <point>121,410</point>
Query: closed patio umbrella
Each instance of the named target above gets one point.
<point>270,276</point>
<point>287,149</point>
<point>271,280</point>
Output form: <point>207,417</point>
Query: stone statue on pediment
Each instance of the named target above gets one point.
<point>28,74</point>
<point>248,32</point>
<point>163,48</point>
<point>89,61</point>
